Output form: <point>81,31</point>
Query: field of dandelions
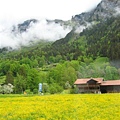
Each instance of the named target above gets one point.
<point>60,107</point>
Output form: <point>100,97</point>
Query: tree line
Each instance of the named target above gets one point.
<point>24,76</point>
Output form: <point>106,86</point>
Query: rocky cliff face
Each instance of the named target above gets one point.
<point>104,10</point>
<point>22,27</point>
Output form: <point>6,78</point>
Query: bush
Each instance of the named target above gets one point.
<point>45,88</point>
<point>55,88</point>
<point>35,91</point>
<point>28,91</point>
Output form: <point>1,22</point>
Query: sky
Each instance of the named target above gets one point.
<point>13,12</point>
<point>51,9</point>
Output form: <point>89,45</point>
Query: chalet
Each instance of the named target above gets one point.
<point>97,85</point>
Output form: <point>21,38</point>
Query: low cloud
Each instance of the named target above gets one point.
<point>117,9</point>
<point>82,27</point>
<point>36,32</point>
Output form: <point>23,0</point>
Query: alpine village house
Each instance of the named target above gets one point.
<point>97,85</point>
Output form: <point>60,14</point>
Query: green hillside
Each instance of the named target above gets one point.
<point>57,65</point>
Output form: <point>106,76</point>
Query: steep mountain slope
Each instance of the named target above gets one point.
<point>105,10</point>
<point>102,39</point>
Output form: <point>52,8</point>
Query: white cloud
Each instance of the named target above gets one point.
<point>117,9</point>
<point>52,9</point>
<point>38,31</point>
<point>16,11</point>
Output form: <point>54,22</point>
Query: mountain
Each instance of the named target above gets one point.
<point>28,24</point>
<point>104,10</point>
<point>102,39</point>
<point>89,30</point>
<point>32,31</point>
<point>99,33</point>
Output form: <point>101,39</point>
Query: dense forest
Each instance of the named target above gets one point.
<point>92,53</point>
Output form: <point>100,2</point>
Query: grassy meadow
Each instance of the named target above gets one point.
<point>60,107</point>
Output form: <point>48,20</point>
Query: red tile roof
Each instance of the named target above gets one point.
<point>84,81</point>
<point>110,82</point>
